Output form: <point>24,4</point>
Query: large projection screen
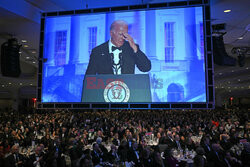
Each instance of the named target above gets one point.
<point>172,39</point>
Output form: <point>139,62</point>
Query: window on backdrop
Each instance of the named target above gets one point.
<point>92,38</point>
<point>60,48</point>
<point>169,41</point>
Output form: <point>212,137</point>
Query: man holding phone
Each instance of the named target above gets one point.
<point>119,55</point>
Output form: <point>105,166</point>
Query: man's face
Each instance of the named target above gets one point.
<point>64,130</point>
<point>15,149</point>
<point>117,37</point>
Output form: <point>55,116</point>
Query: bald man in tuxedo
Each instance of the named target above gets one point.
<point>119,55</point>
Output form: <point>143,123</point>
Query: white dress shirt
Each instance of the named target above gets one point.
<point>116,58</point>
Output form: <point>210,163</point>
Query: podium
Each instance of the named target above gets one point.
<point>116,88</point>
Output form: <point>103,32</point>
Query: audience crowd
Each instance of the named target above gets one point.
<point>152,138</point>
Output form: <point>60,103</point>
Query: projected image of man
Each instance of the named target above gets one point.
<point>119,55</point>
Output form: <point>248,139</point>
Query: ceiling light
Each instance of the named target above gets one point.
<point>232,70</point>
<point>247,68</point>
<point>27,57</point>
<point>21,83</point>
<point>240,38</point>
<point>25,46</point>
<point>33,51</point>
<point>24,40</point>
<point>239,80</point>
<point>220,73</point>
<point>31,84</point>
<point>229,91</point>
<point>20,52</point>
<point>2,85</point>
<point>222,87</point>
<point>227,11</point>
<point>34,62</point>
<point>9,83</point>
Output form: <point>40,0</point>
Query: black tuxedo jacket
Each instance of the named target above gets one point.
<point>132,157</point>
<point>206,149</point>
<point>101,62</point>
<point>226,145</point>
<point>32,159</point>
<point>96,157</point>
<point>214,160</point>
<point>10,160</point>
<point>111,157</point>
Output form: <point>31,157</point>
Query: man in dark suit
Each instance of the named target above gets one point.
<point>231,161</point>
<point>225,142</point>
<point>206,145</point>
<point>113,154</point>
<point>119,55</point>
<point>97,154</point>
<point>134,154</point>
<point>116,140</point>
<point>245,154</point>
<point>37,159</point>
<point>178,143</point>
<point>215,157</point>
<point>14,159</point>
<point>170,139</point>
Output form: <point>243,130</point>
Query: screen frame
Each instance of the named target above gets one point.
<point>208,58</point>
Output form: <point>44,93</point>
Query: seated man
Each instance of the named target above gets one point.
<point>119,55</point>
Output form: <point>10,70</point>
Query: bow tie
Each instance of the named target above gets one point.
<point>114,48</point>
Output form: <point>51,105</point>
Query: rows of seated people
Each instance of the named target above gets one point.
<point>164,138</point>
